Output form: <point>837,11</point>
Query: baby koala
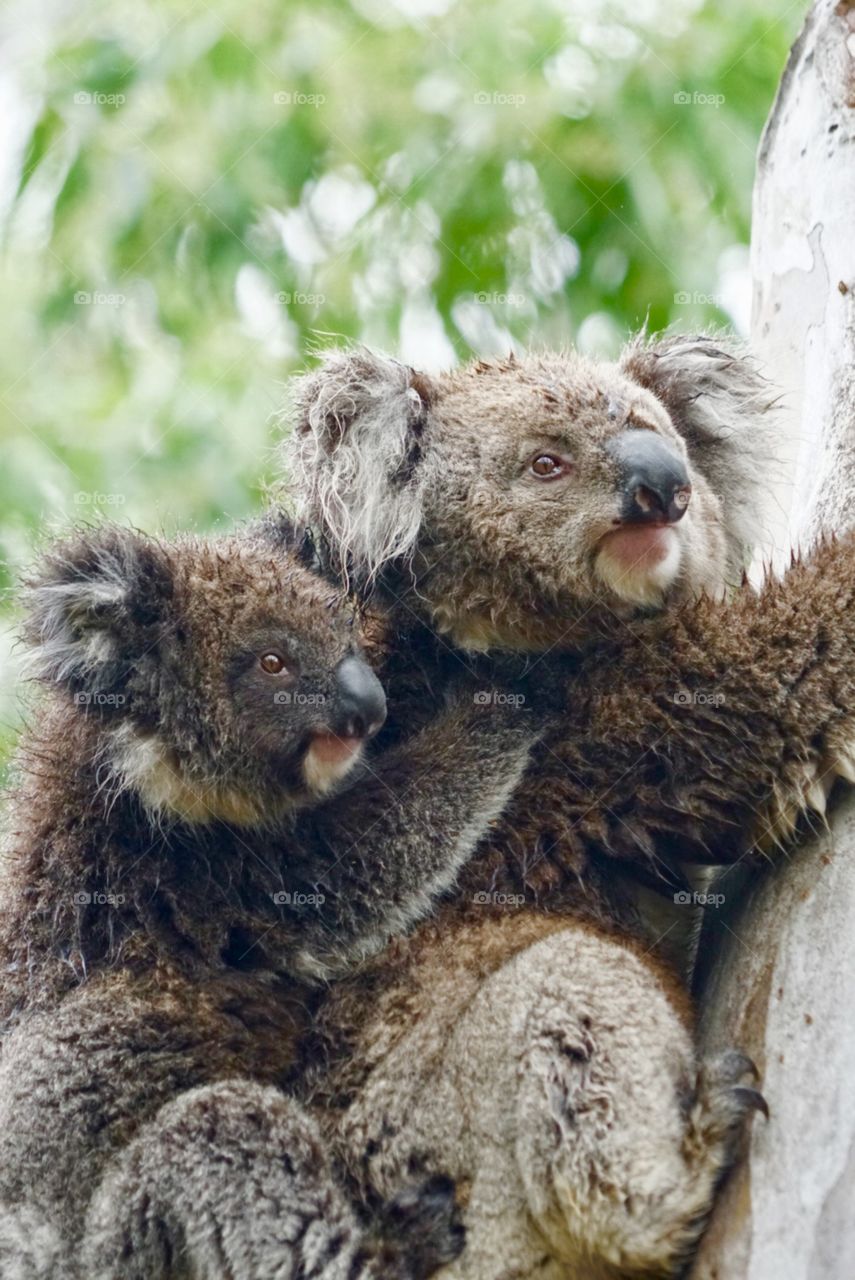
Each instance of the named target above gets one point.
<point>192,840</point>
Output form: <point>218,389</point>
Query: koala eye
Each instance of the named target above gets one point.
<point>549,466</point>
<point>271,664</point>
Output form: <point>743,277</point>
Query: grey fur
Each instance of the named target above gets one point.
<point>694,721</point>
<point>551,1069</point>
<point>173,874</point>
<point>365,449</point>
<point>362,411</point>
<point>722,406</point>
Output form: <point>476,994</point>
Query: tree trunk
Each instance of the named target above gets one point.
<point>777,974</point>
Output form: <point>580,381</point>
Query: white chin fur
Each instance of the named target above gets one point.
<point>321,775</point>
<point>144,766</point>
<point>643,585</point>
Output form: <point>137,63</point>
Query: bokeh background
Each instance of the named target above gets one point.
<point>195,196</point>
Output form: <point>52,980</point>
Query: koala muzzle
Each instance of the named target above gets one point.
<point>360,704</point>
<point>653,478</point>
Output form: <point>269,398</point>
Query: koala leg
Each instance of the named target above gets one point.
<point>563,1094</point>
<point>621,1137</point>
<point>232,1179</point>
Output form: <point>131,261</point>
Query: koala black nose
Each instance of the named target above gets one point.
<point>653,477</point>
<point>360,704</point>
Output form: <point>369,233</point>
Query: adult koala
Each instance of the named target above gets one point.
<point>595,513</point>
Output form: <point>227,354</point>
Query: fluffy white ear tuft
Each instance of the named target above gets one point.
<point>723,407</point>
<point>87,606</point>
<point>70,630</point>
<point>353,457</point>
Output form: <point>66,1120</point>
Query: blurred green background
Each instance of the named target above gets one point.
<point>195,196</point>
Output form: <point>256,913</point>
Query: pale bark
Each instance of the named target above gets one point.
<point>780,974</point>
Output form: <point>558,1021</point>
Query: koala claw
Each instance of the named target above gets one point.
<point>750,1099</point>
<point>730,1066</point>
<point>724,1099</point>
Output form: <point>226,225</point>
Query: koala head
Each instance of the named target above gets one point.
<point>522,503</point>
<point>223,675</point>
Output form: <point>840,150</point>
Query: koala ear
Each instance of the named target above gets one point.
<point>277,531</point>
<point>722,406</point>
<point>354,457</point>
<point>93,608</point>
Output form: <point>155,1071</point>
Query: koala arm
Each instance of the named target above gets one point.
<point>397,838</point>
<point>714,728</point>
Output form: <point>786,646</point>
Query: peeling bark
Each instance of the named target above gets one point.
<point>803,261</point>
<point>777,973</point>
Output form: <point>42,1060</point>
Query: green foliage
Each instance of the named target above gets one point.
<point>194,196</point>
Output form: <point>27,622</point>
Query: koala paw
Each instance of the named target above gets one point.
<point>807,793</point>
<point>724,1100</point>
<point>424,1223</point>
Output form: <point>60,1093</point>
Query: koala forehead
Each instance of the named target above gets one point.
<point>231,592</point>
<point>512,403</point>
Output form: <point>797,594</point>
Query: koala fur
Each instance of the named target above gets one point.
<point>689,720</point>
<point>503,562</point>
<point>193,841</point>
<point>550,1066</point>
